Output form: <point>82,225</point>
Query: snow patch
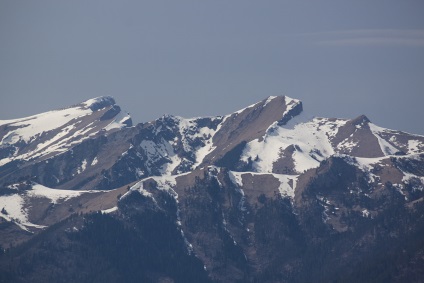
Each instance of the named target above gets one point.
<point>139,173</point>
<point>290,104</point>
<point>166,183</point>
<point>414,146</point>
<point>94,162</point>
<point>157,151</point>
<point>331,126</point>
<point>347,145</point>
<point>110,210</point>
<point>407,178</point>
<point>82,167</point>
<point>140,188</point>
<point>119,121</point>
<point>29,127</point>
<point>213,172</point>
<point>13,205</point>
<point>98,100</point>
<point>365,213</point>
<point>385,146</point>
<point>306,137</point>
<point>236,178</point>
<point>287,184</point>
<point>55,195</point>
<point>14,211</point>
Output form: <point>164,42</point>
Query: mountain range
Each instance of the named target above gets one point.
<point>264,194</point>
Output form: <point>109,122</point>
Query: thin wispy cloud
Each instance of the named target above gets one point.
<point>371,37</point>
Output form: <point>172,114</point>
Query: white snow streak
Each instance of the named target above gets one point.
<point>385,146</point>
<point>118,122</point>
<point>236,178</point>
<point>110,210</point>
<point>54,195</point>
<point>37,124</point>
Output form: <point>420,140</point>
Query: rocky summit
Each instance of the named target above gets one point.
<point>264,194</point>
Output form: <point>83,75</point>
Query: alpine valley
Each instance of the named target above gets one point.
<point>265,194</point>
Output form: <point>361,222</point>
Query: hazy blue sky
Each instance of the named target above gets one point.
<point>192,58</point>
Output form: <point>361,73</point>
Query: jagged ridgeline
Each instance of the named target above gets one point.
<point>264,194</point>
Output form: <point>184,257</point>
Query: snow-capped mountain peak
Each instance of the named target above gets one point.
<point>53,132</point>
<point>99,102</point>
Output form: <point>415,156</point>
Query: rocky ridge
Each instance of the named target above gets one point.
<point>236,188</point>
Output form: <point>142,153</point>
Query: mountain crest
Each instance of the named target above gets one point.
<point>360,120</point>
<point>99,102</point>
<point>262,194</point>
